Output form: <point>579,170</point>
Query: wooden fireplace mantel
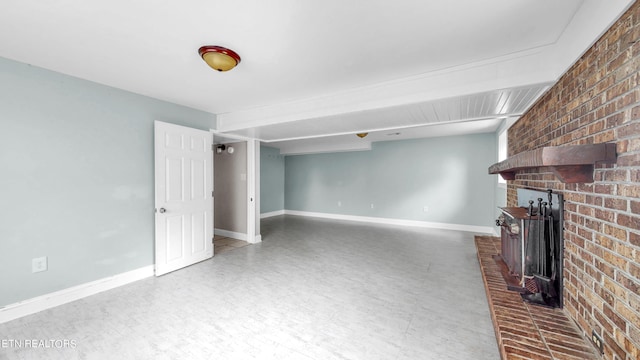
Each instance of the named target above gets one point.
<point>570,164</point>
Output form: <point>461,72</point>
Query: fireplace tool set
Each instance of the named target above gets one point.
<point>531,247</point>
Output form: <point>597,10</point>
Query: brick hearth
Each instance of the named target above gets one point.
<point>526,331</point>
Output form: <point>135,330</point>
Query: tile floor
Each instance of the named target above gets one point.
<point>223,244</point>
<point>314,289</point>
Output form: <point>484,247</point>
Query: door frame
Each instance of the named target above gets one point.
<point>253,183</point>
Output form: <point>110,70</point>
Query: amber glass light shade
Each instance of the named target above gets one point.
<point>219,58</point>
<point>362,135</point>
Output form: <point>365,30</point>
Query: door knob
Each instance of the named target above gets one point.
<point>162,210</point>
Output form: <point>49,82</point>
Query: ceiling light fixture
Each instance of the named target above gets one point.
<point>219,58</point>
<point>362,135</point>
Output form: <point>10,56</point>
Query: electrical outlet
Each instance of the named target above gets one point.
<point>372,206</point>
<point>597,341</point>
<point>425,209</point>
<point>39,264</point>
<point>339,203</point>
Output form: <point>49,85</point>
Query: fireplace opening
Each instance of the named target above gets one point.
<point>532,246</point>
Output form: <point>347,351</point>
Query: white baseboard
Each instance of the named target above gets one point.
<point>271,214</point>
<point>256,239</point>
<point>57,298</point>
<point>238,236</point>
<point>389,221</point>
<point>231,234</point>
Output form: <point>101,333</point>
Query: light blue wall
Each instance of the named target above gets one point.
<point>501,189</point>
<point>271,180</point>
<point>76,178</point>
<point>447,174</point>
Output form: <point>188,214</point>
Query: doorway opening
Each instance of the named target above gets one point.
<point>236,188</point>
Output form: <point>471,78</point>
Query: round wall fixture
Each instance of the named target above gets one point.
<point>223,147</point>
<point>218,57</point>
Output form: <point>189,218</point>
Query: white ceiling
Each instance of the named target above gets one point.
<point>318,69</point>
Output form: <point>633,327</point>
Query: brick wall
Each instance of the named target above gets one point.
<point>597,100</point>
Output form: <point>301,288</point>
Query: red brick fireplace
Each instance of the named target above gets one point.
<point>596,101</point>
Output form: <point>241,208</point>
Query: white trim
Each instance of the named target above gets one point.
<point>401,222</point>
<point>64,296</point>
<point>251,191</point>
<point>301,148</point>
<point>230,136</point>
<point>257,237</point>
<point>271,214</point>
<point>231,234</point>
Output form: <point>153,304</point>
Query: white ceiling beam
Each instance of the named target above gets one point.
<point>506,72</point>
<point>543,64</point>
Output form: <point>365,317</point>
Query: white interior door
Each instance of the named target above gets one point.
<point>184,196</point>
